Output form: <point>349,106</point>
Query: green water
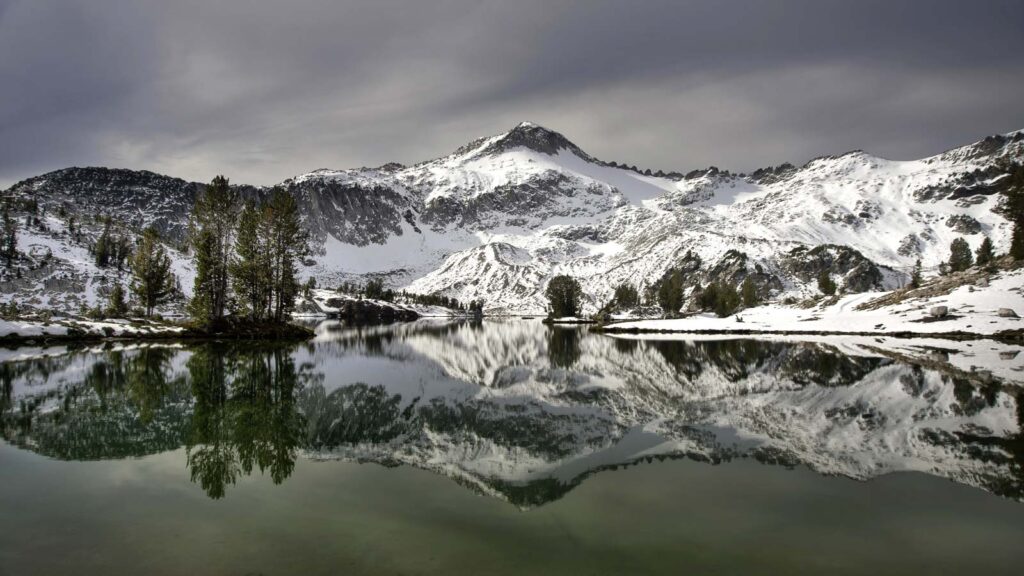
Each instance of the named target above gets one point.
<point>504,448</point>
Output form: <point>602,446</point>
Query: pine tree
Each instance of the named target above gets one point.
<point>9,242</point>
<point>825,283</point>
<point>200,307</point>
<point>116,305</point>
<point>250,266</point>
<point>728,300</point>
<point>104,246</point>
<point>626,296</point>
<point>374,289</point>
<point>1017,241</point>
<point>708,296</point>
<point>960,257</point>
<point>915,275</point>
<point>288,242</point>
<point>749,293</point>
<point>670,292</point>
<point>1015,209</point>
<point>211,228</point>
<point>985,252</point>
<point>721,298</point>
<point>152,280</point>
<point>564,296</point>
<point>122,252</point>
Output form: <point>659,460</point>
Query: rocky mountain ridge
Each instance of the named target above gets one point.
<point>498,217</point>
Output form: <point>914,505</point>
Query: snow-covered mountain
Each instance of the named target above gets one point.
<point>501,215</point>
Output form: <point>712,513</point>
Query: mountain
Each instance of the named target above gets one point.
<point>498,217</point>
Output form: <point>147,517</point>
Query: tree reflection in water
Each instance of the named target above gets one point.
<point>563,346</point>
<point>6,389</point>
<point>245,415</point>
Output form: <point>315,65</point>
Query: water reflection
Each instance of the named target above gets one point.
<point>244,416</point>
<point>563,346</point>
<point>523,411</point>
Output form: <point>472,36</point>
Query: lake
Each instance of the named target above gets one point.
<point>510,447</point>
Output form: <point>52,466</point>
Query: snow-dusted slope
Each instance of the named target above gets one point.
<point>56,271</point>
<point>501,216</point>
<point>497,218</point>
<point>972,308</point>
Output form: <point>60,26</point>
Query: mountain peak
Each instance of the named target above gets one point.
<point>530,131</point>
<point>524,135</point>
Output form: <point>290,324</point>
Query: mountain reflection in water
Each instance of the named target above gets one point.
<point>515,409</point>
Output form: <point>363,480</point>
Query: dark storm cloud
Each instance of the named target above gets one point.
<point>263,90</point>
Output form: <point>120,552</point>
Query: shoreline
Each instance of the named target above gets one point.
<point>91,332</point>
<point>1015,336</point>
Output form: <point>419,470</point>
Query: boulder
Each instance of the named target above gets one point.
<point>938,311</point>
<point>963,224</point>
<point>1007,313</point>
<point>983,375</point>
<point>305,306</point>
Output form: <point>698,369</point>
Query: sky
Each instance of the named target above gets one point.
<point>262,90</point>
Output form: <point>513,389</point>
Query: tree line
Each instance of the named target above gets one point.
<point>565,296</point>
<point>245,255</point>
<point>374,289</point>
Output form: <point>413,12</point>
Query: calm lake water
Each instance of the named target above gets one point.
<point>507,447</point>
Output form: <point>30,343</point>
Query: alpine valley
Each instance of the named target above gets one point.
<point>499,217</point>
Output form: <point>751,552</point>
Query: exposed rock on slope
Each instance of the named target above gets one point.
<point>497,218</point>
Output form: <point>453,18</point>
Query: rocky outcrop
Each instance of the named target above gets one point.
<point>353,213</point>
<point>773,174</point>
<point>857,272</point>
<point>963,224</point>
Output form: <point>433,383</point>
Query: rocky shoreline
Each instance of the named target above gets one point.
<point>20,332</point>
<point>1005,336</point>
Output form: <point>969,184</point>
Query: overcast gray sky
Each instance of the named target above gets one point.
<point>261,90</point>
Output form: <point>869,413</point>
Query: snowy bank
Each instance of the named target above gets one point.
<point>75,328</point>
<point>971,310</point>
